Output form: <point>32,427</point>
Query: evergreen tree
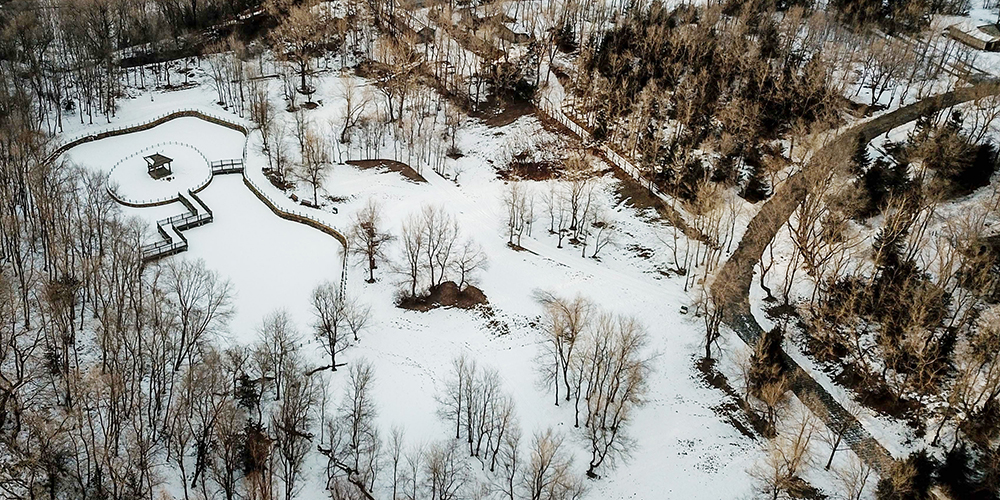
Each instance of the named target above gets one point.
<point>910,479</point>
<point>766,363</point>
<point>956,473</point>
<point>860,160</point>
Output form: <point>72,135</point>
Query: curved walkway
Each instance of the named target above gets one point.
<point>198,213</point>
<point>732,285</point>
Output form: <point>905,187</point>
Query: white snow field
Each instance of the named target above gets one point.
<point>131,181</point>
<point>684,449</point>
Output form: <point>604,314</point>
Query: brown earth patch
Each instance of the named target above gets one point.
<point>734,410</point>
<point>446,294</point>
<point>500,112</point>
<point>277,181</point>
<point>395,166</point>
<point>529,170</point>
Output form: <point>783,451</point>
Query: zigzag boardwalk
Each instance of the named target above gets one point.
<point>732,285</point>
<point>193,218</point>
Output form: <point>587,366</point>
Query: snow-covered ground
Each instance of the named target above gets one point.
<point>684,448</point>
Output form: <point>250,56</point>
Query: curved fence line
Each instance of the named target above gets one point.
<point>167,246</point>
<point>146,125</point>
<point>675,214</point>
<point>158,201</point>
<point>613,156</point>
<point>302,218</point>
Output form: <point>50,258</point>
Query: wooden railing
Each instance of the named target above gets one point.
<point>302,217</point>
<point>146,125</point>
<point>113,191</point>
<point>550,110</point>
<point>193,218</point>
<point>181,222</point>
<point>227,166</point>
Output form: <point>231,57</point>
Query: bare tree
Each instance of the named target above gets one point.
<point>833,432</point>
<point>603,229</point>
<point>356,417</point>
<point>370,236</point>
<point>277,148</point>
<point>357,316</point>
<point>315,164</point>
<point>517,199</point>
<point>787,456</point>
<point>616,385</point>
<point>413,250</point>
<point>453,402</point>
<point>396,439</point>
<point>579,194</point>
<point>200,300</point>
<point>440,230</point>
<point>331,312</point>
<point>300,36</point>
<point>228,434</point>
<point>444,476</point>
<point>355,103</point>
<point>414,465</point>
<point>854,477</point>
<point>276,349</point>
<point>566,321</point>
<point>511,462</point>
<point>557,206</point>
<point>548,474</point>
<point>291,425</point>
<point>469,260</point>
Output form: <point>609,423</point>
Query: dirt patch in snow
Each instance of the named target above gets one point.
<point>734,410</point>
<point>446,294</point>
<point>633,194</point>
<point>524,169</point>
<point>503,112</point>
<point>277,180</point>
<point>395,166</point>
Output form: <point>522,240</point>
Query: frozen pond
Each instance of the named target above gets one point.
<point>271,262</point>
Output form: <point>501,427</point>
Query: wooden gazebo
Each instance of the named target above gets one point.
<point>158,166</point>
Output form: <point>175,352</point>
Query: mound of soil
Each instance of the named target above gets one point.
<point>446,294</point>
<point>395,166</point>
<point>529,170</point>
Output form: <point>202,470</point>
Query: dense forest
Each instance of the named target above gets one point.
<point>113,378</point>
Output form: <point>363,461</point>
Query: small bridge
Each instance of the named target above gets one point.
<point>220,167</point>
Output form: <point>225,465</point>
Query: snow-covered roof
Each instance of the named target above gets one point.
<point>985,33</point>
<point>155,160</point>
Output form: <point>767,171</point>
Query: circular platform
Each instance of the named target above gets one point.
<point>130,180</point>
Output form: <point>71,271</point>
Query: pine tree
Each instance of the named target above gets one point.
<point>956,473</point>
<point>766,363</point>
<point>921,129</point>
<point>860,161</point>
<point>888,247</point>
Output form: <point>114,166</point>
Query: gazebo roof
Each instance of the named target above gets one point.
<point>156,160</point>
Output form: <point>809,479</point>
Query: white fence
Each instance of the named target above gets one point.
<point>155,201</point>
<point>124,129</point>
<point>245,127</point>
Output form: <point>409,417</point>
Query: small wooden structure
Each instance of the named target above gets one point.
<point>985,37</point>
<point>158,166</point>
